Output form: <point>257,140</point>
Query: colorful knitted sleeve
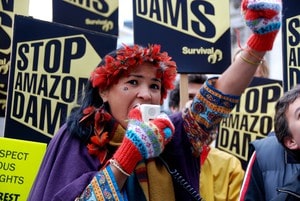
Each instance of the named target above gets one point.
<point>103,187</point>
<point>207,110</point>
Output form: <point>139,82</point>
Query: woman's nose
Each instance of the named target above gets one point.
<point>144,93</point>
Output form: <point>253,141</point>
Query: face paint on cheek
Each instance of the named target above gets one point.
<point>125,89</point>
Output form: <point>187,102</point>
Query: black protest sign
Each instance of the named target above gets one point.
<point>291,44</point>
<point>195,33</point>
<point>50,65</point>
<point>101,16</point>
<point>7,11</point>
<point>251,119</point>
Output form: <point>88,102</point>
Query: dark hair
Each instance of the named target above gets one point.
<point>197,78</point>
<point>281,123</point>
<point>174,96</point>
<point>90,97</point>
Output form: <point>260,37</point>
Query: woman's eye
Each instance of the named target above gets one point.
<point>155,86</point>
<point>133,82</point>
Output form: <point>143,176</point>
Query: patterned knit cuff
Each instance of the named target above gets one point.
<point>211,105</point>
<point>102,187</point>
<point>127,155</point>
<point>262,42</point>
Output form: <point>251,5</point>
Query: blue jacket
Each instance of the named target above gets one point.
<point>291,191</point>
<point>270,167</point>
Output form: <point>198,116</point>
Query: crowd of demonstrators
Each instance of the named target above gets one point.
<point>106,151</point>
<point>221,173</point>
<point>273,172</point>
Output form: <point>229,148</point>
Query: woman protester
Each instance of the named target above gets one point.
<point>106,151</point>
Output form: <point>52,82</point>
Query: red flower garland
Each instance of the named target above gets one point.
<point>129,57</point>
<point>98,117</point>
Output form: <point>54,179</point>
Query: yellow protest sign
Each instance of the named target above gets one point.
<point>19,164</point>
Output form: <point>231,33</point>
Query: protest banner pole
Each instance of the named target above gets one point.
<point>183,93</point>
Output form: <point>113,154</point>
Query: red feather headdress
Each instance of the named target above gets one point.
<point>129,57</point>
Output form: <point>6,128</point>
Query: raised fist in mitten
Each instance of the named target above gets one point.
<point>143,140</point>
<point>263,17</point>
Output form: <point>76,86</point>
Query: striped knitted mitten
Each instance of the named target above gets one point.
<point>263,17</point>
<point>143,140</point>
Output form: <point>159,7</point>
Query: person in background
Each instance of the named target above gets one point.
<point>275,161</point>
<point>221,174</point>
<point>195,82</point>
<point>174,98</point>
<point>106,151</point>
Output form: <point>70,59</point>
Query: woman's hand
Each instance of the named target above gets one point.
<point>143,140</point>
<point>263,17</point>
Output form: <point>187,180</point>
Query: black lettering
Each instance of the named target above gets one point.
<point>50,117</point>
<point>56,79</point>
<point>43,86</point>
<point>17,196</point>
<point>31,112</point>
<point>18,85</point>
<point>224,137</point>
<point>180,8</point>
<point>244,123</point>
<point>206,28</point>
<point>233,120</point>
<point>74,49</point>
<point>155,9</point>
<point>142,7</point>
<point>293,26</point>
<point>7,5</point>
<point>235,141</point>
<point>18,105</point>
<point>23,63</point>
<point>254,122</point>
<point>269,94</point>
<point>6,196</point>
<point>7,166</point>
<point>21,180</point>
<point>52,56</point>
<point>266,123</point>
<point>30,82</point>
<point>252,99</point>
<point>294,57</point>
<point>9,196</point>
<point>101,6</point>
<point>69,88</point>
<point>36,52</point>
<point>294,75</point>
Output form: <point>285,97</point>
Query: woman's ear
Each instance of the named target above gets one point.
<point>103,95</point>
<point>290,143</point>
